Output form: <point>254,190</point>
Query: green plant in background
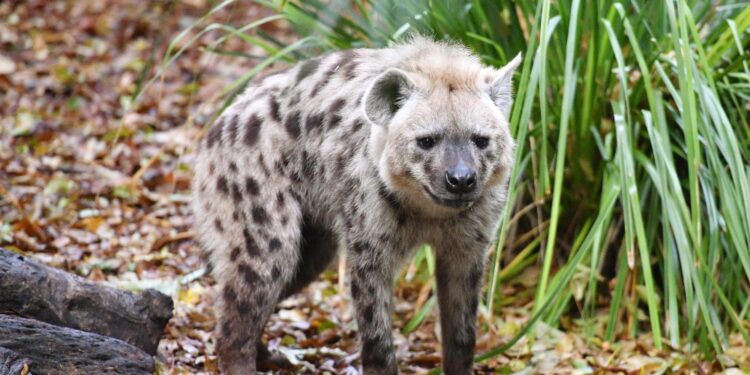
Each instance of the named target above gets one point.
<point>631,119</point>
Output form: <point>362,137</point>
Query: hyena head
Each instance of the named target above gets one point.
<point>440,136</point>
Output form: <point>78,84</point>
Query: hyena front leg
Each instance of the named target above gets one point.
<point>459,280</point>
<point>371,275</point>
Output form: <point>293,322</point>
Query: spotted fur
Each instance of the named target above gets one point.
<point>333,151</point>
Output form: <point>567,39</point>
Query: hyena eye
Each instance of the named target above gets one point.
<point>481,142</point>
<point>426,143</point>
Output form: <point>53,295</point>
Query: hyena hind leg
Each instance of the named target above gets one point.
<point>251,285</point>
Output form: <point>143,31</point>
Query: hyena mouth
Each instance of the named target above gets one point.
<point>449,202</point>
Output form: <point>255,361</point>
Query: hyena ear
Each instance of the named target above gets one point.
<point>501,88</point>
<point>386,95</point>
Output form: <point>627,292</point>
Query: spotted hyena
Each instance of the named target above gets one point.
<point>378,149</point>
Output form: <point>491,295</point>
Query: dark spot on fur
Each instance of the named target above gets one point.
<point>230,296</point>
<point>214,134</point>
<point>275,273</point>
<point>280,200</point>
<point>232,166</point>
<point>211,169</point>
<point>236,193</point>
<point>234,254</point>
<point>284,220</point>
<point>337,105</point>
<point>243,307</point>
<point>355,290</point>
<point>308,164</point>
<point>274,244</point>
<point>251,247</point>
<point>253,130</point>
<point>334,110</point>
<point>236,216</point>
<point>217,225</point>
<point>259,215</point>
<point>450,87</point>
<point>232,128</point>
<point>292,124</point>
<point>308,67</point>
<point>274,108</point>
<point>325,80</point>
<point>350,65</point>
<point>334,121</point>
<point>252,186</point>
<point>248,274</point>
<point>356,125</point>
<point>314,122</point>
<point>368,313</point>
<point>222,185</point>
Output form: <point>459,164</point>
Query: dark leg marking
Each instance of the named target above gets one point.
<point>375,353</point>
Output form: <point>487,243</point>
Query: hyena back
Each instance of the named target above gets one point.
<point>378,149</point>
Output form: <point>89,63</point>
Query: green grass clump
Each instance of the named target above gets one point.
<point>631,119</point>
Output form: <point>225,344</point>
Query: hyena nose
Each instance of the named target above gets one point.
<point>461,180</point>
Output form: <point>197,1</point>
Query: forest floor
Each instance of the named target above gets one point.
<point>96,181</point>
